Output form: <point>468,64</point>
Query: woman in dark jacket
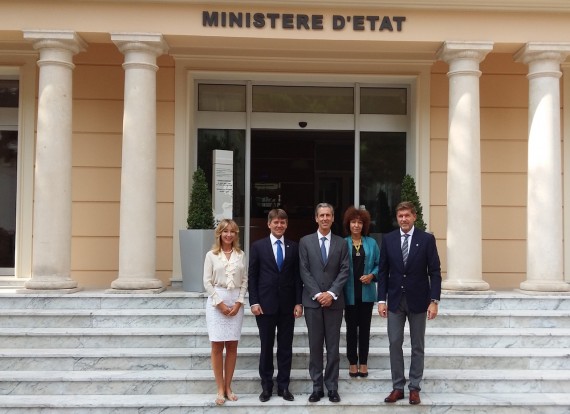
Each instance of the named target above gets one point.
<point>360,289</point>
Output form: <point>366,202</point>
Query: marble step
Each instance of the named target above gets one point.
<point>194,318</point>
<point>177,299</point>
<point>372,403</point>
<point>82,359</point>
<point>247,382</point>
<point>166,337</point>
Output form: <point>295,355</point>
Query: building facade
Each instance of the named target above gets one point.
<point>107,107</point>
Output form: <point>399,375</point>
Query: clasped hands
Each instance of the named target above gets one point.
<point>229,310</point>
<point>366,279</point>
<point>325,299</point>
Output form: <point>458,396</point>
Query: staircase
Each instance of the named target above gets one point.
<point>93,352</point>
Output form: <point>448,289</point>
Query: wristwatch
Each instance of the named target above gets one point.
<point>435,301</point>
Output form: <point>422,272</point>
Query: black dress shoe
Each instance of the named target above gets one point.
<point>333,396</point>
<point>316,396</point>
<point>285,394</point>
<point>265,396</point>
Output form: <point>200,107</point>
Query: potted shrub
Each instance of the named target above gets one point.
<point>409,193</point>
<point>197,239</point>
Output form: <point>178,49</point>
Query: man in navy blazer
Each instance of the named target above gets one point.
<point>323,259</point>
<point>409,286</point>
<point>275,289</point>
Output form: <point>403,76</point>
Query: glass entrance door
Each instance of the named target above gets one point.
<point>295,170</point>
<point>294,146</point>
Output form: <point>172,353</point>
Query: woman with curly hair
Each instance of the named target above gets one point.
<point>360,289</point>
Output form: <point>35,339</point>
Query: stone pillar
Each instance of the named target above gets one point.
<point>137,243</point>
<point>464,234</point>
<point>544,252</point>
<point>51,244</point>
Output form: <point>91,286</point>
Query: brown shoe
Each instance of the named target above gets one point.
<point>394,396</point>
<point>415,397</point>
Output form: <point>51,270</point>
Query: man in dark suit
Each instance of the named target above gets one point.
<point>409,286</point>
<point>275,290</point>
<point>324,268</point>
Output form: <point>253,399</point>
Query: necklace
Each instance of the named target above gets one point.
<point>357,246</point>
<point>229,251</point>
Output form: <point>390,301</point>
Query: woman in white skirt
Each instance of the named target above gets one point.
<point>225,281</point>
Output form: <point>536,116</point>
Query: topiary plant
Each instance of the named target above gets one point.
<point>409,193</point>
<point>200,215</point>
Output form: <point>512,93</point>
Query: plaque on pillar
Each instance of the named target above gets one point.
<point>223,183</point>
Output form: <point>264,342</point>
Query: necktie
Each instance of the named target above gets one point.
<point>405,248</point>
<point>279,255</point>
<point>323,250</point>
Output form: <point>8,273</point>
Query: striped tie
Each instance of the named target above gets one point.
<point>405,248</point>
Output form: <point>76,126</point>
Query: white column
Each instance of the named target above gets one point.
<point>464,234</point>
<point>51,255</point>
<point>544,252</point>
<point>137,243</point>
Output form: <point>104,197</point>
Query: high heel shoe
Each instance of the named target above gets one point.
<point>363,374</point>
<point>353,374</point>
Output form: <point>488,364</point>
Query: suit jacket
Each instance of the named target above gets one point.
<point>321,277</point>
<point>275,291</point>
<point>420,278</point>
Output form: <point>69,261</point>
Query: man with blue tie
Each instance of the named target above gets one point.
<point>409,286</point>
<point>275,297</point>
<point>324,265</point>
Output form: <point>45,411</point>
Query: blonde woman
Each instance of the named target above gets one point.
<point>225,281</point>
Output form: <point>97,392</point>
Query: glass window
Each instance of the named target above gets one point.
<point>9,90</point>
<point>382,168</point>
<point>221,98</point>
<point>384,101</point>
<point>303,99</point>
<point>230,140</point>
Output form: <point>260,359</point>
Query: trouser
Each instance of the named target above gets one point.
<point>396,323</point>
<point>358,318</point>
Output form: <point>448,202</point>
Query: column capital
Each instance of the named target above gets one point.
<point>557,52</point>
<point>152,43</point>
<point>56,39</point>
<point>453,50</point>
<point>543,59</point>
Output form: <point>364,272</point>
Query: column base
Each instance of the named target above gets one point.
<point>138,285</point>
<point>50,283</point>
<point>545,286</point>
<point>464,285</point>
<point>43,291</point>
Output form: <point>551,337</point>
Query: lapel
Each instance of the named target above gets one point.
<point>288,252</point>
<point>317,249</point>
<point>414,246</point>
<point>398,247</point>
<point>270,254</point>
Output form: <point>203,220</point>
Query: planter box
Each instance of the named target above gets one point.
<point>194,244</point>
